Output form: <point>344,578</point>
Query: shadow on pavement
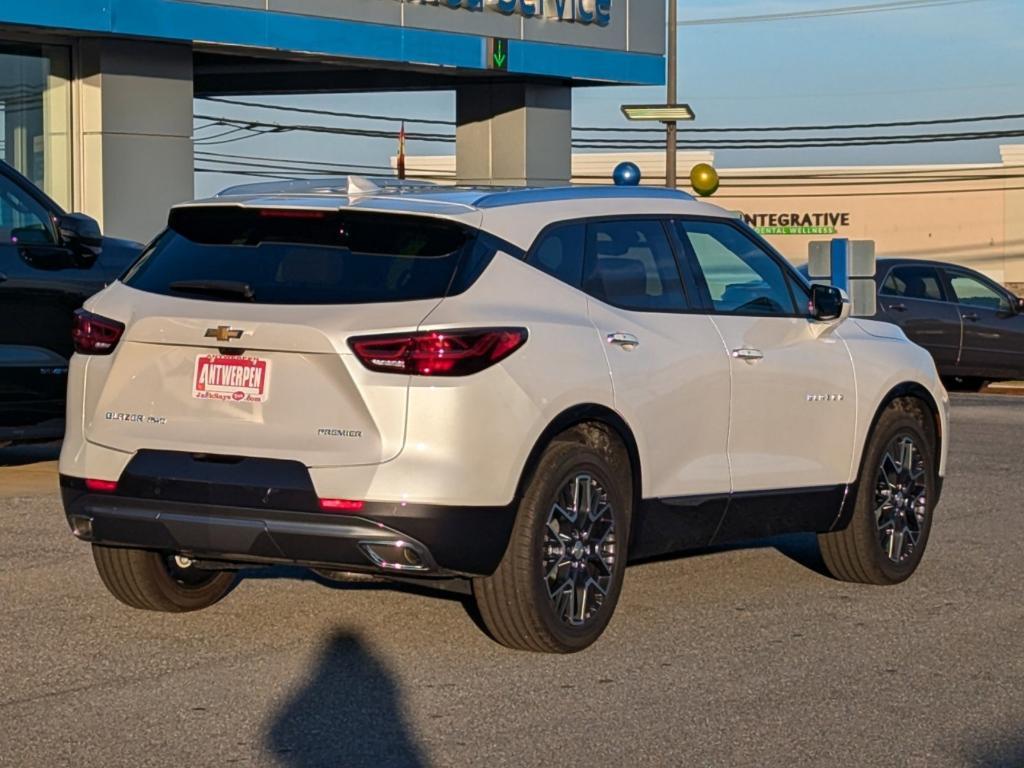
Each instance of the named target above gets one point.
<point>998,751</point>
<point>33,453</point>
<point>347,713</point>
<point>801,548</point>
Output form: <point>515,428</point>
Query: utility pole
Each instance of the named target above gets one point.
<point>671,126</point>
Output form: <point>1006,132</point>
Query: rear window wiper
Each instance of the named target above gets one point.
<point>229,289</point>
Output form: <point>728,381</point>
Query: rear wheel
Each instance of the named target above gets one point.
<point>892,514</point>
<point>557,586</point>
<point>154,581</point>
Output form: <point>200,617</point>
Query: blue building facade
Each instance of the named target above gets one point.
<point>96,95</point>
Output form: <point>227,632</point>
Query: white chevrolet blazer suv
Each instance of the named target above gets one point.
<point>508,392</point>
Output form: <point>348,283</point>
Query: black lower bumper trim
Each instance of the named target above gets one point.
<point>411,540</point>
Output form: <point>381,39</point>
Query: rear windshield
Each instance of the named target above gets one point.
<point>274,256</point>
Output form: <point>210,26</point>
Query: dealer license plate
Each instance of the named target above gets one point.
<point>231,379</point>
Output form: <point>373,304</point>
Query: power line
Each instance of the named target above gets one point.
<point>328,112</point>
<point>800,142</point>
<point>599,129</point>
<point>844,10</point>
<point>828,127</point>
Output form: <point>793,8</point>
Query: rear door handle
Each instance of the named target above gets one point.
<point>3,277</point>
<point>627,341</point>
<point>897,307</point>
<point>750,355</point>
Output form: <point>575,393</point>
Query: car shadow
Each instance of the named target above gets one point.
<point>30,453</point>
<point>801,548</point>
<point>359,583</point>
<point>348,712</point>
<point>996,750</point>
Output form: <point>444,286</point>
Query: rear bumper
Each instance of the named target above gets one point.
<point>409,539</point>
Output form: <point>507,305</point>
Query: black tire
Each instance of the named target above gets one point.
<point>964,383</point>
<point>516,602</point>
<point>150,581</point>
<point>862,552</point>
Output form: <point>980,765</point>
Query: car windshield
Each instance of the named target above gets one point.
<point>291,256</point>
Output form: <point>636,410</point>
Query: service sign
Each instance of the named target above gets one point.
<point>231,379</point>
<point>597,12</point>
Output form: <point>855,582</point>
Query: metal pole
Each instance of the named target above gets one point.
<point>671,138</point>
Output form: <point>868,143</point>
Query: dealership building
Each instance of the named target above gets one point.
<point>966,214</point>
<point>96,96</point>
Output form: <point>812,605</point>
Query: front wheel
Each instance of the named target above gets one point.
<point>153,581</point>
<point>559,581</point>
<point>896,492</point>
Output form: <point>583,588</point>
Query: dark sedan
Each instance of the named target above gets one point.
<point>973,327</point>
<point>50,262</point>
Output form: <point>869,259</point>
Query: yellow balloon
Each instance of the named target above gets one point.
<point>704,180</point>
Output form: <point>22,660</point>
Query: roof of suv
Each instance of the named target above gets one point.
<point>515,213</point>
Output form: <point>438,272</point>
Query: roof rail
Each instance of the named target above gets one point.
<point>329,185</point>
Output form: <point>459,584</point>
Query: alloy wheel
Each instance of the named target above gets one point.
<point>580,550</point>
<point>901,498</point>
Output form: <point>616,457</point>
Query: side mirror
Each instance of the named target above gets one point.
<point>828,304</point>
<point>1019,306</point>
<point>81,235</point>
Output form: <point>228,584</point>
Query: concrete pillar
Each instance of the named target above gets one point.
<point>516,135</point>
<point>1013,217</point>
<point>135,144</point>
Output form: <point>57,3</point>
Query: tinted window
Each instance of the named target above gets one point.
<point>22,219</point>
<point>974,293</point>
<point>560,253</point>
<point>630,264</point>
<point>914,283</point>
<point>303,257</point>
<point>741,277</point>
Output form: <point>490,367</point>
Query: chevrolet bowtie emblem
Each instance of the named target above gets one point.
<point>223,333</point>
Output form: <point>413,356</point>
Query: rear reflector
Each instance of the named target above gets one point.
<point>340,505</point>
<point>93,334</point>
<point>101,486</point>
<point>458,352</point>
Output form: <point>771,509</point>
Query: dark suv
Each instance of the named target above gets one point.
<point>973,327</point>
<point>50,262</point>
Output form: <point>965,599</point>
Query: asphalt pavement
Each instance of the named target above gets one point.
<point>741,657</point>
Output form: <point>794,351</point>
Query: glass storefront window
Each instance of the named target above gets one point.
<point>35,115</point>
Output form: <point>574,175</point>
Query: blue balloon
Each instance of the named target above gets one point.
<point>626,175</point>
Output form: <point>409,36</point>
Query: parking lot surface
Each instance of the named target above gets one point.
<point>741,657</point>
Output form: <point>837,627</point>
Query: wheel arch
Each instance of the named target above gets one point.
<point>576,416</point>
<point>906,389</point>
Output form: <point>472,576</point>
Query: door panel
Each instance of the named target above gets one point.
<point>669,370</point>
<point>993,343</point>
<point>673,389</point>
<point>793,402</point>
<point>793,409</point>
<point>913,297</point>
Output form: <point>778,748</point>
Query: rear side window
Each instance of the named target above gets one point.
<point>559,253</point>
<point>914,283</point>
<point>630,264</point>
<point>273,256</point>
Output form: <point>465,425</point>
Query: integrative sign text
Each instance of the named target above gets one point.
<point>824,223</point>
<point>597,12</point>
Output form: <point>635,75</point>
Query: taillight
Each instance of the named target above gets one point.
<point>458,352</point>
<point>95,335</point>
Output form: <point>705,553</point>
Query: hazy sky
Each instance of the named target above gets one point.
<point>946,61</point>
